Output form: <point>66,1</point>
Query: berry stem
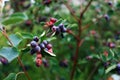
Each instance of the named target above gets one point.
<point>19,60</point>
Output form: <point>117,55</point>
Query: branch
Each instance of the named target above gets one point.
<point>85,27</point>
<point>72,33</point>
<point>82,13</point>
<point>71,11</point>
<point>79,43</point>
<point>19,60</point>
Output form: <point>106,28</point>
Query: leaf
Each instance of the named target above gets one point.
<point>15,18</point>
<point>15,39</point>
<point>27,35</point>
<point>50,52</point>
<point>110,68</point>
<point>11,76</point>
<point>10,53</point>
<point>43,34</point>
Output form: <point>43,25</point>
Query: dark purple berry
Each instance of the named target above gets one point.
<point>62,28</point>
<point>107,17</point>
<point>45,63</point>
<point>4,61</point>
<point>118,66</point>
<point>110,3</point>
<point>58,31</point>
<point>64,63</point>
<point>45,42</point>
<point>32,51</point>
<point>42,45</point>
<point>54,28</point>
<point>36,39</point>
<point>33,44</point>
<point>49,46</point>
<point>46,2</point>
<point>37,49</point>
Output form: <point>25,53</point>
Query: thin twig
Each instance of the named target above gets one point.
<point>85,27</point>
<point>82,13</point>
<point>71,11</point>
<point>72,33</point>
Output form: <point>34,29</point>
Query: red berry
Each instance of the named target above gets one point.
<point>38,62</point>
<point>53,20</point>
<point>49,46</point>
<point>39,56</point>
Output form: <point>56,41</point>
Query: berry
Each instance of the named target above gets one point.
<point>4,61</point>
<point>37,49</point>
<point>38,62</point>
<point>36,39</point>
<point>39,56</point>
<point>45,42</point>
<point>64,63</point>
<point>28,22</point>
<point>57,31</point>
<point>53,20</point>
<point>110,3</point>
<point>46,2</point>
<point>49,46</point>
<point>118,66</point>
<point>107,17</point>
<point>42,45</point>
<point>62,28</point>
<point>111,45</point>
<point>33,44</point>
<point>54,28</point>
<point>45,63</point>
<point>32,51</point>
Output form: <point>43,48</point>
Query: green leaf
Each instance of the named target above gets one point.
<point>110,68</point>
<point>27,35</point>
<point>15,18</point>
<point>10,53</point>
<point>15,39</point>
<point>50,53</point>
<point>11,76</point>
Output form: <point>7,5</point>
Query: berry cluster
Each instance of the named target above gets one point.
<point>59,30</point>
<point>3,60</point>
<point>38,48</point>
